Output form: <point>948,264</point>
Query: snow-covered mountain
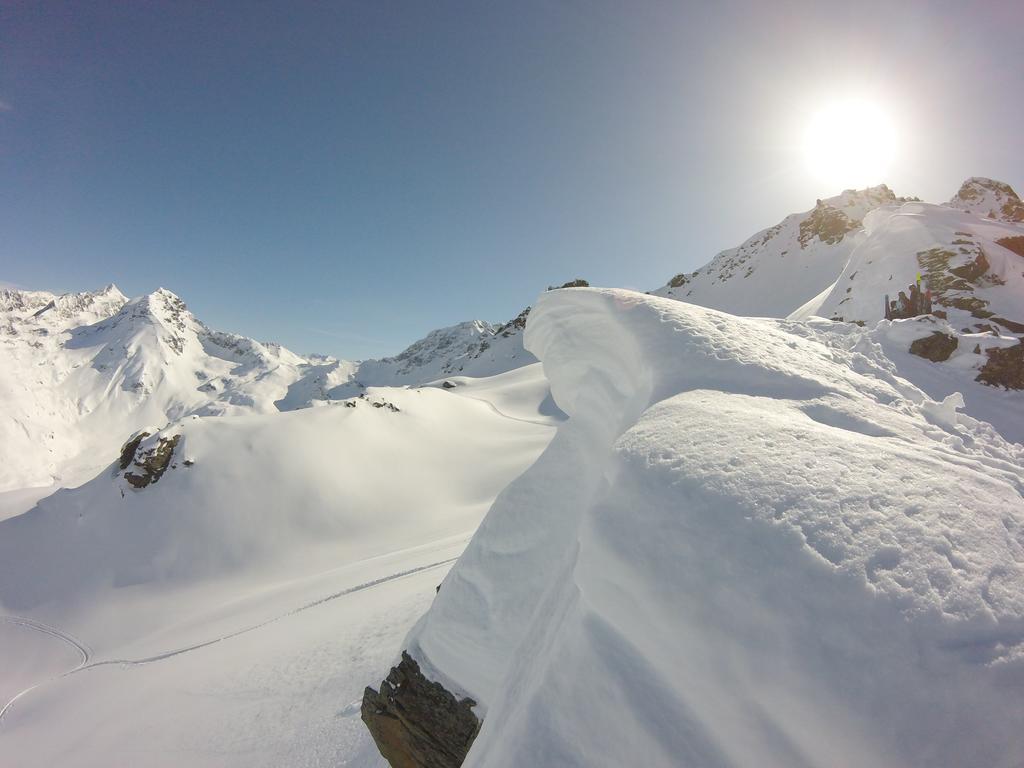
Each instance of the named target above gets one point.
<point>81,372</point>
<point>753,541</point>
<point>474,348</point>
<point>843,259</point>
<point>780,268</point>
<point>990,198</point>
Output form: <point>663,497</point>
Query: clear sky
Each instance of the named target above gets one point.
<point>344,176</point>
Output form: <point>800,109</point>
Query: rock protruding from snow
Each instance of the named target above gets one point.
<point>749,545</point>
<point>1003,367</point>
<point>990,198</point>
<point>416,723</point>
<point>150,460</point>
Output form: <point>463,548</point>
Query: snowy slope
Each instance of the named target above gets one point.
<point>781,267</point>
<point>748,546</point>
<point>226,613</point>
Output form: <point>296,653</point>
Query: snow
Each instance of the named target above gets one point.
<point>80,372</point>
<point>231,611</point>
<point>781,267</point>
<point>712,540</point>
<point>744,547</point>
<point>886,262</point>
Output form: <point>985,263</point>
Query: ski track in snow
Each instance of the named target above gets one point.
<point>46,629</point>
<point>86,654</point>
<point>503,415</point>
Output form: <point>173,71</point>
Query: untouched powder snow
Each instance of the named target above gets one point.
<point>230,613</point>
<point>747,546</point>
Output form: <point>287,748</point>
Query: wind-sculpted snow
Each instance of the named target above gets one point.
<point>748,546</point>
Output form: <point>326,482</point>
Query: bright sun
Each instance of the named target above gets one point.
<point>850,144</point>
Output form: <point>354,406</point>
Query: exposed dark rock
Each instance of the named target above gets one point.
<point>953,278</point>
<point>1010,325</point>
<point>973,269</point>
<point>517,324</point>
<point>678,281</point>
<point>150,465</point>
<point>825,223</point>
<point>1004,368</point>
<point>416,723</point>
<point>1015,244</point>
<point>579,282</point>
<point>129,448</point>
<point>448,385</point>
<point>936,347</point>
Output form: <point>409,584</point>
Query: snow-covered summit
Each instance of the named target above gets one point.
<point>990,198</point>
<point>474,348</point>
<point>781,267</point>
<point>34,310</point>
<point>81,372</point>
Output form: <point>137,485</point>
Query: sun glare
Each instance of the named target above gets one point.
<point>850,144</point>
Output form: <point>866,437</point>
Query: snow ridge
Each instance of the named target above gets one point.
<point>745,547</point>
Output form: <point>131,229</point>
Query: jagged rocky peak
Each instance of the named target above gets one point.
<point>457,340</point>
<point>61,310</point>
<point>990,198</point>
<point>161,307</point>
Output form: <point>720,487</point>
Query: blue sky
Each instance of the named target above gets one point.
<point>343,177</point>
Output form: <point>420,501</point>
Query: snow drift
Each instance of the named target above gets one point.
<point>748,546</point>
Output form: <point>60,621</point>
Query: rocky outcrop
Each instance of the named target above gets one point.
<point>579,282</point>
<point>129,448</point>
<point>954,276</point>
<point>1015,244</point>
<point>827,224</point>
<point>416,723</point>
<point>149,464</point>
<point>936,347</point>
<point>1004,367</point>
<point>991,198</point>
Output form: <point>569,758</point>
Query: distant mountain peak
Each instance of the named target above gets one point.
<point>990,198</point>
